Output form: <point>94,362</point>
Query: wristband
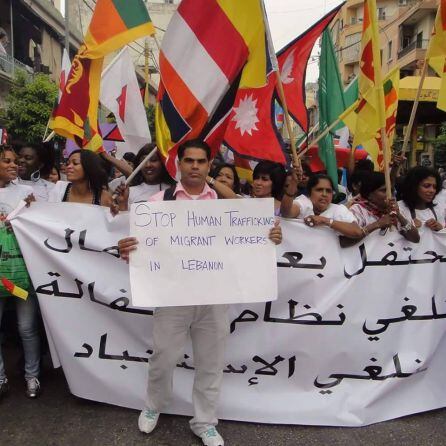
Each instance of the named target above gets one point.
<point>330,222</point>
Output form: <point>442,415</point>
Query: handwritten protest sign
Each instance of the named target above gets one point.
<point>202,252</point>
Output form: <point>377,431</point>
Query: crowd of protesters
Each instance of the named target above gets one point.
<point>30,172</point>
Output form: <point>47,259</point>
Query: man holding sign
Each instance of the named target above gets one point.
<point>207,325</point>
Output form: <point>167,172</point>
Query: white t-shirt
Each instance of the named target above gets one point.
<point>144,191</point>
<point>424,215</point>
<point>337,212</point>
<point>10,198</point>
<point>41,188</point>
<point>57,193</point>
<point>113,184</point>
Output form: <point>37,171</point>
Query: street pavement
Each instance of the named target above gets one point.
<point>58,418</point>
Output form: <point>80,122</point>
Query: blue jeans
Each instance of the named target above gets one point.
<point>29,332</point>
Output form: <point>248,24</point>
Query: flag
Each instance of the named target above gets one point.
<point>368,113</point>
<point>331,103</point>
<point>120,93</point>
<point>251,131</point>
<point>391,93</point>
<point>14,289</point>
<point>373,145</point>
<point>114,24</point>
<point>436,53</point>
<point>210,49</point>
<point>64,72</point>
<point>293,61</point>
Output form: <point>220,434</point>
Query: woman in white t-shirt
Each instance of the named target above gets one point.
<point>419,190</point>
<point>318,210</point>
<point>152,179</point>
<point>35,164</point>
<point>373,211</point>
<point>11,195</point>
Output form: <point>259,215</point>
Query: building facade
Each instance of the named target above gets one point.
<point>405,28</point>
<point>34,41</point>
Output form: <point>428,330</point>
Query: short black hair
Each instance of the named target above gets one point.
<point>217,170</point>
<point>129,157</point>
<point>196,144</point>
<point>371,181</point>
<point>276,172</point>
<point>45,153</point>
<point>314,180</point>
<point>413,178</point>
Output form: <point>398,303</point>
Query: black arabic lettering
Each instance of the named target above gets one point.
<point>268,368</point>
<point>391,259</point>
<point>373,373</point>
<point>52,289</point>
<point>294,259</point>
<point>69,244</point>
<point>231,369</point>
<point>409,314</point>
<point>125,354</point>
<point>245,316</point>
<point>89,350</point>
<point>119,304</point>
<point>300,319</point>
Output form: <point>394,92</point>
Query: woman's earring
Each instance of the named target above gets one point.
<point>35,176</point>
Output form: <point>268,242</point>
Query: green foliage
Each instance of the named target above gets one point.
<point>439,144</point>
<point>29,107</point>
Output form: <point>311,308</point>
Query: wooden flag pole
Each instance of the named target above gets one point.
<point>136,171</point>
<point>413,113</point>
<point>50,136</point>
<point>275,64</point>
<point>319,137</point>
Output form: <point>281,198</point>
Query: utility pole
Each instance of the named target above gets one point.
<point>67,29</point>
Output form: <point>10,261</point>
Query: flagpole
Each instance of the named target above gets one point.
<point>319,137</point>
<point>137,170</point>
<point>413,113</point>
<point>275,64</point>
<point>146,72</point>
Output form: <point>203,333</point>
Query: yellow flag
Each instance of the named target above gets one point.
<point>436,53</point>
<point>372,144</point>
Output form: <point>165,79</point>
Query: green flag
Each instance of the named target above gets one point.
<point>351,92</point>
<point>331,103</point>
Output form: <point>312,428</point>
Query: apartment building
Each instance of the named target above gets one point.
<point>405,28</point>
<point>34,40</point>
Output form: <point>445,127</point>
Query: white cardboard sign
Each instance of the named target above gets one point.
<point>202,252</point>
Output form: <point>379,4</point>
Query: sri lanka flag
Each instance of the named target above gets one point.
<point>114,24</point>
<point>436,54</point>
<point>210,48</point>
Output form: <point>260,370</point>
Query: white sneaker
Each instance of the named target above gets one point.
<point>212,438</point>
<point>147,420</point>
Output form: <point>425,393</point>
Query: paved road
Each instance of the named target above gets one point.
<point>58,418</point>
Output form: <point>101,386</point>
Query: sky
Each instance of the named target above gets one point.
<point>290,18</point>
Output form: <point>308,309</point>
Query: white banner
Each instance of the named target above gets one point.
<point>203,252</point>
<point>356,337</point>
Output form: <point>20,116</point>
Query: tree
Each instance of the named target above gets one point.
<point>439,144</point>
<point>29,106</point>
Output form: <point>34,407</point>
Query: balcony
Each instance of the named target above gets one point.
<point>351,55</point>
<point>9,66</point>
<point>413,46</point>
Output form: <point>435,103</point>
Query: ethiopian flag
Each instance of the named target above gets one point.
<point>114,24</point>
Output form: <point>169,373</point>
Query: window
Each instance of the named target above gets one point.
<point>381,13</point>
<point>402,2</point>
<point>389,51</point>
